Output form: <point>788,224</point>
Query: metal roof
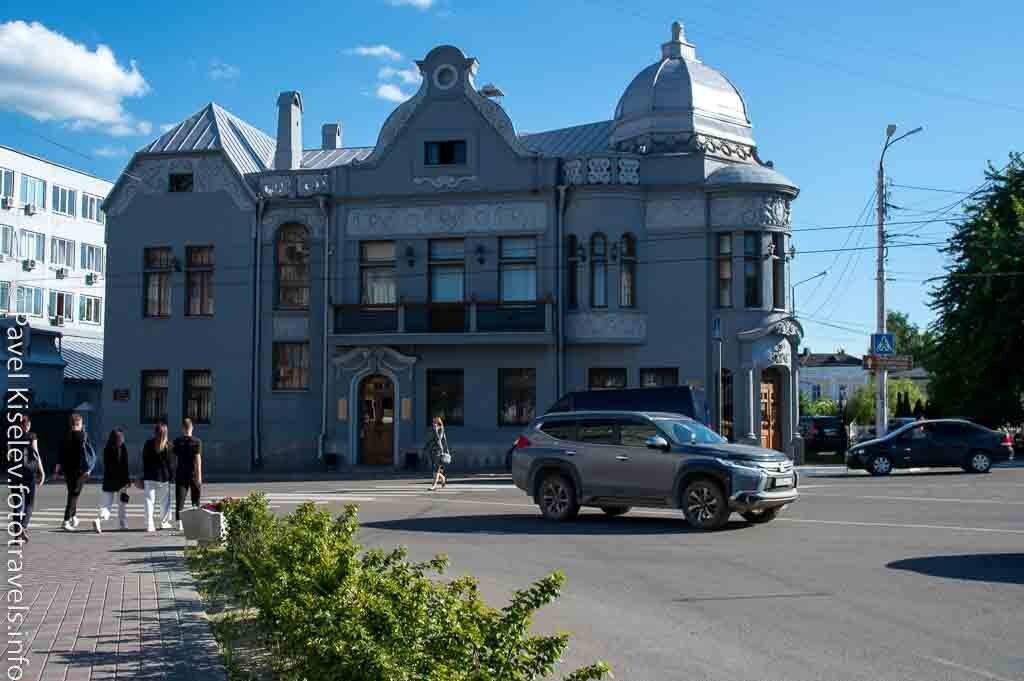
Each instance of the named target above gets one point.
<point>831,359</point>
<point>318,159</point>
<point>84,359</point>
<point>579,139</point>
<point>250,150</point>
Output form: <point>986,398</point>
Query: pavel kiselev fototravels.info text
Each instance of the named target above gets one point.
<point>16,406</point>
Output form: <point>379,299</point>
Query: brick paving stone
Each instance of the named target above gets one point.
<point>115,606</point>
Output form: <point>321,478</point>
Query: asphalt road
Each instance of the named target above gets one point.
<point>912,577</point>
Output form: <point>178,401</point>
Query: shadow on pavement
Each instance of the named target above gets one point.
<point>149,549</point>
<point>524,524</point>
<point>1004,568</point>
<point>895,474</point>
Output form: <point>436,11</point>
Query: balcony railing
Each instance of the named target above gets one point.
<point>467,317</point>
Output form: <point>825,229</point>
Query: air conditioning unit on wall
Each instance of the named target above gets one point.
<point>57,320</point>
<point>30,209</point>
<point>28,264</point>
<point>7,203</point>
<point>62,273</point>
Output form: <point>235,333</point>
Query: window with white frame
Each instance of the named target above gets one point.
<point>64,200</point>
<point>62,305</point>
<point>90,310</point>
<point>5,296</point>
<point>33,190</point>
<point>62,252</point>
<point>92,258</point>
<point>7,242</point>
<point>29,300</point>
<point>6,182</point>
<point>31,246</point>
<point>91,208</point>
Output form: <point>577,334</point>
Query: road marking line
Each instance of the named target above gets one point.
<point>908,526</point>
<point>893,498</point>
<point>965,668</point>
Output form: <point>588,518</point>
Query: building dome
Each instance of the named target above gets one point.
<point>676,99</point>
<point>748,176</point>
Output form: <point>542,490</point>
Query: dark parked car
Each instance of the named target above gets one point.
<point>943,442</point>
<point>614,460</point>
<point>823,433</point>
<point>676,399</point>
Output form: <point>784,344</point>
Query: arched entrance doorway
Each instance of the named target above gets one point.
<point>376,421</point>
<point>771,417</point>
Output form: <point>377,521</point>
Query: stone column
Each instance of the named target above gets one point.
<point>753,435</point>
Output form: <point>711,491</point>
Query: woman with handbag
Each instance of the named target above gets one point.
<point>158,476</point>
<point>116,480</point>
<point>436,449</point>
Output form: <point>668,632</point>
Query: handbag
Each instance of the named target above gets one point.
<point>446,458</point>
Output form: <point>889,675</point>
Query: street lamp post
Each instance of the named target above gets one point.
<point>792,288</point>
<point>796,362</point>
<point>881,400</point>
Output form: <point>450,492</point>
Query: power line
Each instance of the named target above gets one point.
<point>929,189</point>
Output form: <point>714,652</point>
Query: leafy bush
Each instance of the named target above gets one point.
<point>337,613</point>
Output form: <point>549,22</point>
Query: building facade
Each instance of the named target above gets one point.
<point>830,375</point>
<point>53,273</point>
<point>304,305</point>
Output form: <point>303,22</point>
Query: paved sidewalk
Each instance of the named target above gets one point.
<point>120,605</point>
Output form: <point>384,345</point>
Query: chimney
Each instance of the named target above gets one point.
<point>289,131</point>
<point>331,133</point>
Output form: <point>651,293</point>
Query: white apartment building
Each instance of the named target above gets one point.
<point>52,267</point>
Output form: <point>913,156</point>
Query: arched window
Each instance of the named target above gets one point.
<point>572,297</point>
<point>598,271</point>
<point>293,271</point>
<point>627,271</point>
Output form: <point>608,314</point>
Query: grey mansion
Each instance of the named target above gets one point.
<point>303,305</point>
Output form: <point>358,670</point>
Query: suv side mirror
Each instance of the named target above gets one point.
<point>657,442</point>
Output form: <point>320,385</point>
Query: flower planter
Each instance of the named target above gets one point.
<point>203,526</point>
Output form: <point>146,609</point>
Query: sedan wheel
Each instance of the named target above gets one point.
<point>704,505</point>
<point>880,465</point>
<point>980,463</point>
<point>558,498</point>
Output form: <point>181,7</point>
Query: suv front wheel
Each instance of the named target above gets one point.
<point>705,505</point>
<point>557,497</point>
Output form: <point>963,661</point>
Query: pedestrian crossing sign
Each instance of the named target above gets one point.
<point>883,344</point>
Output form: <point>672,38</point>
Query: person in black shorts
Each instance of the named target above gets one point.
<point>188,477</point>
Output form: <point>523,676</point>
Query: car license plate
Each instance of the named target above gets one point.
<point>785,481</point>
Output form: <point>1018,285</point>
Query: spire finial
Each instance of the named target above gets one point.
<point>677,47</point>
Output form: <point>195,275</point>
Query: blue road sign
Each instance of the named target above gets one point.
<point>883,344</point>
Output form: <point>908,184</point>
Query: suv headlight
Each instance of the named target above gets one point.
<point>742,467</point>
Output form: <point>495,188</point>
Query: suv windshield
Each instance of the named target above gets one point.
<point>687,431</point>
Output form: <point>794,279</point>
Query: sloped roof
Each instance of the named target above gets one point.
<point>250,150</point>
<point>578,139</point>
<point>832,359</point>
<point>84,359</point>
<point>318,159</point>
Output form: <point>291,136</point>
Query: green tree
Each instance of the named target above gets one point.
<point>979,330</point>
<point>909,338</point>
<point>861,408</point>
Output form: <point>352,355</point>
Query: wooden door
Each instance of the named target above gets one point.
<point>771,423</point>
<point>376,421</point>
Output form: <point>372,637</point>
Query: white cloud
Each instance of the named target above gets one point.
<point>167,127</point>
<point>391,93</point>
<point>45,75</point>
<point>220,70</point>
<point>408,76</point>
<point>378,51</point>
<point>110,152</point>
<point>418,4</point>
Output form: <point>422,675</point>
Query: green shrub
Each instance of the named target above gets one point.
<point>338,613</point>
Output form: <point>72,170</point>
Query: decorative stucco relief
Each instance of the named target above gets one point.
<point>372,360</point>
<point>520,216</point>
<point>772,351</point>
<point>756,210</point>
<point>310,185</point>
<point>150,176</point>
<point>311,216</point>
<point>606,327</point>
<point>678,211</point>
<point>629,171</point>
<point>574,171</point>
<point>599,171</point>
<point>445,182</point>
<point>666,143</point>
<point>276,186</point>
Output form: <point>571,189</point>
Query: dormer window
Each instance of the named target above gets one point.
<point>180,182</point>
<point>447,153</point>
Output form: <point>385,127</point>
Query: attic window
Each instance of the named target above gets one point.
<point>180,182</point>
<point>448,153</point>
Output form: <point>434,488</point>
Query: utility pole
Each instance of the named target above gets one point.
<point>881,400</point>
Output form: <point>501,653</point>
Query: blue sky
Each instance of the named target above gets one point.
<point>821,81</point>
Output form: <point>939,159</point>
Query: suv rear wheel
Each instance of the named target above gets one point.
<point>557,497</point>
<point>979,462</point>
<point>705,505</point>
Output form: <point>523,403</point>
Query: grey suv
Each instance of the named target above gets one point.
<point>616,460</point>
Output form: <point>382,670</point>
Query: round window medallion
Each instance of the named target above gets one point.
<point>445,76</point>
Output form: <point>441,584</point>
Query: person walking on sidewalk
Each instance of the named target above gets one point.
<point>188,451</point>
<point>77,459</point>
<point>157,476</point>
<point>33,476</point>
<point>116,479</point>
<point>436,449</point>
